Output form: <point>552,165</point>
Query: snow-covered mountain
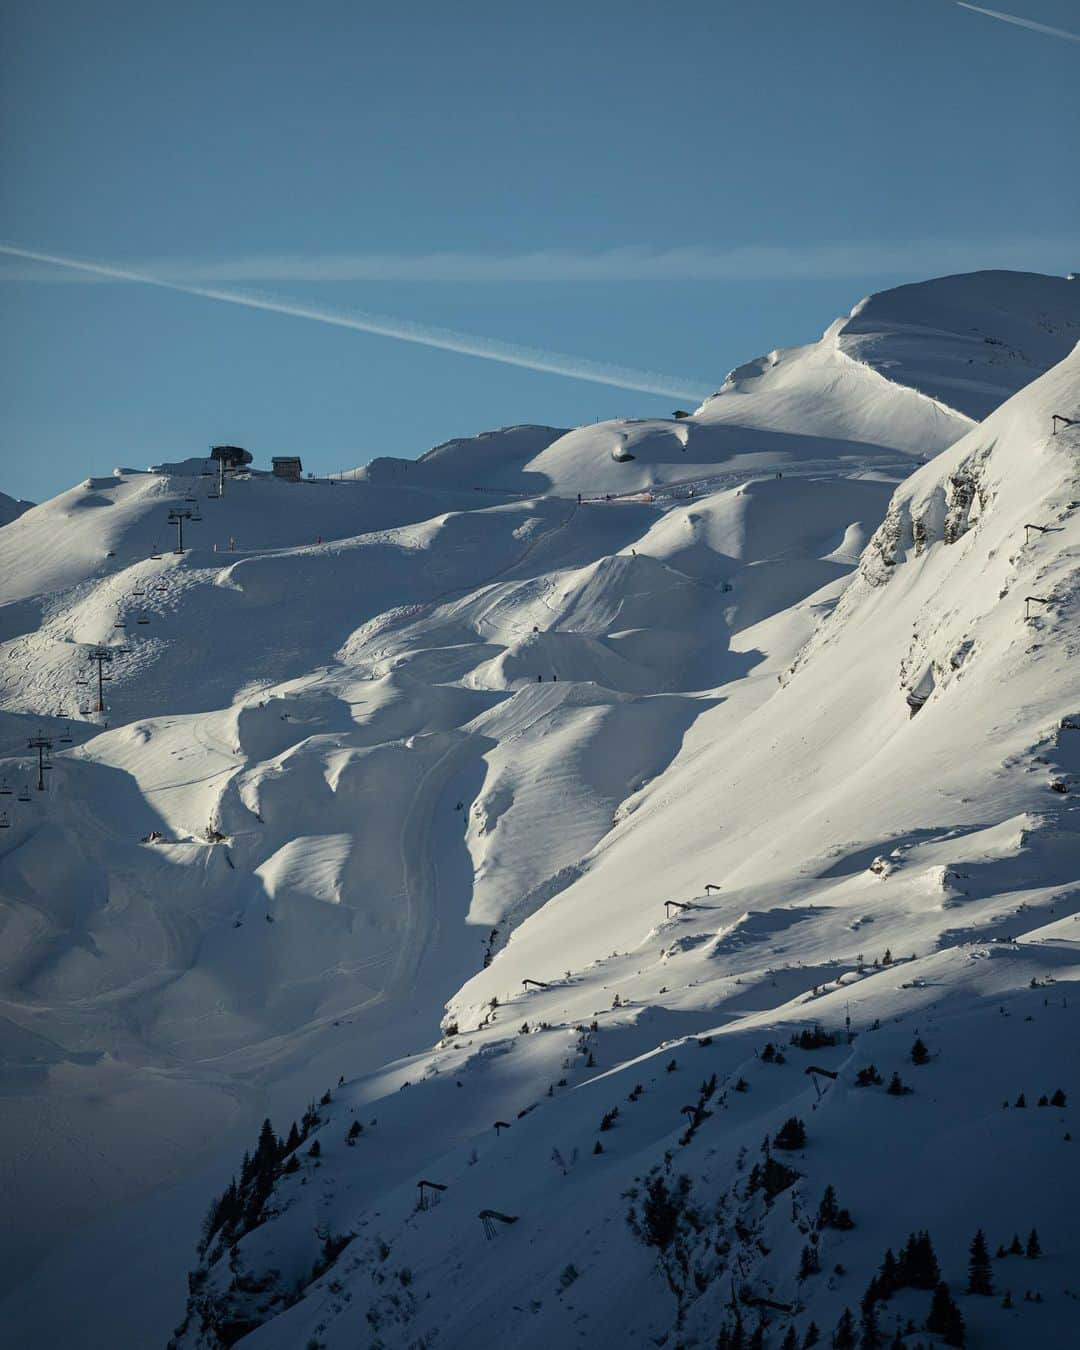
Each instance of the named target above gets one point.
<point>614,790</point>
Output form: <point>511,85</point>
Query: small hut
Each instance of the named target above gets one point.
<point>288,467</point>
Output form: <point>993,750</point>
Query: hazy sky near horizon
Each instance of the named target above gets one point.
<point>669,188</point>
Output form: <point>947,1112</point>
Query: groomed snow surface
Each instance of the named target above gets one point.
<point>394,779</point>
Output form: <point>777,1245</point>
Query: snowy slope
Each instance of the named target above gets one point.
<point>387,747</point>
<point>964,934</point>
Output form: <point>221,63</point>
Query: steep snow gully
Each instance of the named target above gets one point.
<point>600,842</point>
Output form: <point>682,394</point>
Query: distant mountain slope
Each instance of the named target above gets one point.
<point>11,508</point>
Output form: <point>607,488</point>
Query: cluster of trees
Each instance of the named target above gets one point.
<point>699,1112</point>
<point>814,1038</point>
<point>1032,1251</point>
<point>771,1177</point>
<point>1058,1099</point>
<point>242,1205</point>
<point>662,1207</point>
<point>916,1267</point>
<point>830,1213</point>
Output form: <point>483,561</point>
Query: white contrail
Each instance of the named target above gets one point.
<point>841,259</point>
<point>405,330</point>
<point>1022,23</point>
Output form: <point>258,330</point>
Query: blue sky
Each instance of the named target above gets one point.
<point>767,163</point>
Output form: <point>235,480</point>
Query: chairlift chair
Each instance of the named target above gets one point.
<point>66,737</point>
<point>119,624</point>
<point>137,591</point>
<point>142,619</point>
<point>5,791</point>
<point>155,557</point>
<point>24,795</point>
<point>5,824</point>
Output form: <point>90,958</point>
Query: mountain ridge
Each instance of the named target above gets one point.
<point>403,741</point>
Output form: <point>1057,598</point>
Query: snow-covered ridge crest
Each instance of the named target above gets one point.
<point>965,343</point>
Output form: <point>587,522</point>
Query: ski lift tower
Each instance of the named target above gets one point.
<point>177,518</point>
<point>228,458</point>
<point>102,656</point>
<point>42,744</point>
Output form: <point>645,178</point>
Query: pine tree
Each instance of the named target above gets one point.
<point>808,1262</point>
<point>1034,1247</point>
<point>293,1140</point>
<point>870,1337</point>
<point>1058,1099</point>
<point>917,1267</point>
<point>919,1052</point>
<point>828,1209</point>
<point>757,1340</point>
<point>791,1135</point>
<point>812,1336</point>
<point>266,1151</point>
<point>980,1276</point>
<point>355,1131</point>
<point>315,1150</point>
<point>945,1319</point>
<point>1016,1247</point>
<point>598,1147</point>
<point>888,1279</point>
<point>1021,1101</point>
<point>790,1341</point>
<point>844,1335</point>
<point>896,1086</point>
